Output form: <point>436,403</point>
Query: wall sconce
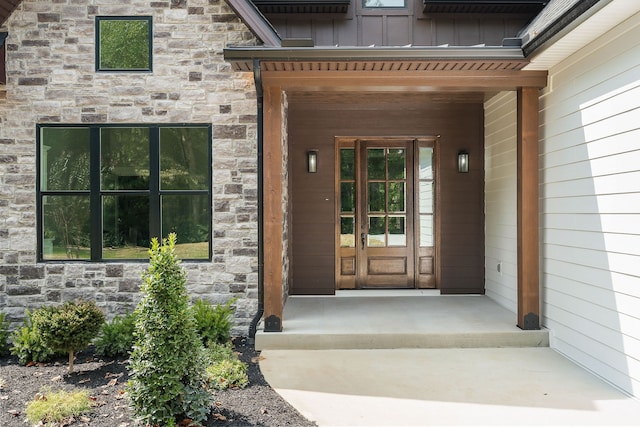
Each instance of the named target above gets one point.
<point>312,161</point>
<point>463,162</point>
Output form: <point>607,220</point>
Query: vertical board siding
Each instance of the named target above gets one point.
<point>590,203</point>
<point>500,200</point>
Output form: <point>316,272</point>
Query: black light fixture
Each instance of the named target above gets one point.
<point>463,162</point>
<point>312,161</point>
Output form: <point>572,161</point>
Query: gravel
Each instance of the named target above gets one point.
<point>256,405</point>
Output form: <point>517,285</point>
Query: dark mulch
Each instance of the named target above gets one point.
<point>256,405</point>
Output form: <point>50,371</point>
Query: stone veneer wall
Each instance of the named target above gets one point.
<point>51,79</point>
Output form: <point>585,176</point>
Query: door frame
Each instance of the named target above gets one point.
<point>351,281</point>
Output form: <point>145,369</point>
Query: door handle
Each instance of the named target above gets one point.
<point>362,239</point>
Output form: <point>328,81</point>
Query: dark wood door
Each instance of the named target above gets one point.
<point>385,214</point>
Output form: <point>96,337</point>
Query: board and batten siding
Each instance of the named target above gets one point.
<point>590,206</point>
<point>500,200</point>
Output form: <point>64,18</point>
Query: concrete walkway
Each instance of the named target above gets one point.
<point>445,386</point>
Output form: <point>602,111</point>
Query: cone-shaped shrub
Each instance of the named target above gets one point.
<point>167,369</point>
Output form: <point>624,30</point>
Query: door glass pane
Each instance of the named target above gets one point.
<point>184,158</point>
<point>347,235</point>
<point>64,159</point>
<point>426,163</point>
<point>376,196</point>
<point>124,158</point>
<point>396,197</point>
<point>347,163</point>
<point>397,169</point>
<point>347,196</point>
<point>426,230</point>
<point>125,227</point>
<point>188,217</point>
<point>375,163</point>
<point>397,231</point>
<point>426,197</point>
<point>65,227</point>
<point>376,231</point>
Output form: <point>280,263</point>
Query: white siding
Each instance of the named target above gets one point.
<point>500,200</point>
<point>590,206</point>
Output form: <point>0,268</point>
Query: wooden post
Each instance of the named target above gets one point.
<point>528,210</point>
<point>272,204</point>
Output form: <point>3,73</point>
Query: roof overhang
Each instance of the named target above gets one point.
<point>6,8</point>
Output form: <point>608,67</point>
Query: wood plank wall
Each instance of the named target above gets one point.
<point>313,124</point>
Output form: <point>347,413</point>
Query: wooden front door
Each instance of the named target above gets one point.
<point>385,213</point>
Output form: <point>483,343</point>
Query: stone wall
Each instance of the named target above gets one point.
<point>51,79</point>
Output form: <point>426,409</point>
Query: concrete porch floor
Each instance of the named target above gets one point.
<point>380,319</point>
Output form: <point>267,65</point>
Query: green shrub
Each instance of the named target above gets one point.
<point>213,322</point>
<point>116,337</point>
<point>52,408</point>
<point>69,327</point>
<point>167,368</point>
<point>4,334</point>
<point>28,345</point>
<point>224,369</point>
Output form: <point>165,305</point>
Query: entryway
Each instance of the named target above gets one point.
<point>385,213</point>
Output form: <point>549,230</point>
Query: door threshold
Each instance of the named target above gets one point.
<point>387,292</point>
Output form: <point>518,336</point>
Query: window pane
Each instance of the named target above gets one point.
<point>65,227</point>
<point>383,3</point>
<point>397,232</point>
<point>375,163</point>
<point>426,163</point>
<point>347,163</point>
<point>376,231</point>
<point>124,44</point>
<point>125,227</point>
<point>124,158</point>
<point>184,158</point>
<point>64,159</point>
<point>347,196</point>
<point>396,166</point>
<point>347,235</point>
<point>396,197</point>
<point>426,197</point>
<point>426,230</point>
<point>188,217</point>
<point>376,196</point>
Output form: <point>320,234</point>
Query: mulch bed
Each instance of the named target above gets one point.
<point>256,405</point>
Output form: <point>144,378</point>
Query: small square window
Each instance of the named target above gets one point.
<point>124,43</point>
<point>379,4</point>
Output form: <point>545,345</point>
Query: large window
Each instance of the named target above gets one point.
<point>124,43</point>
<point>105,191</point>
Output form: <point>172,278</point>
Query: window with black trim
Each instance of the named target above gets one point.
<point>381,4</point>
<point>105,190</point>
<point>124,43</point>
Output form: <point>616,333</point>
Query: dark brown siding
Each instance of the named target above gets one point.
<point>315,122</point>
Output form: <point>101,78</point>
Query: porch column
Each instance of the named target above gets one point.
<point>528,210</point>
<point>272,205</point>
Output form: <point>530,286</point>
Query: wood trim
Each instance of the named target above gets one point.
<point>272,203</point>
<point>528,210</point>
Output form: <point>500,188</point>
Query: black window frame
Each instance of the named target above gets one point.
<point>96,193</point>
<point>98,67</point>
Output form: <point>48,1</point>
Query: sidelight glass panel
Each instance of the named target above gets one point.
<point>347,232</point>
<point>347,163</point>
<point>426,197</point>
<point>397,231</point>
<point>426,230</point>
<point>426,163</point>
<point>65,227</point>
<point>64,159</point>
<point>347,196</point>
<point>396,197</point>
<point>377,197</point>
<point>125,227</point>
<point>396,163</point>
<point>376,163</point>
<point>124,158</point>
<point>184,158</point>
<point>376,237</point>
